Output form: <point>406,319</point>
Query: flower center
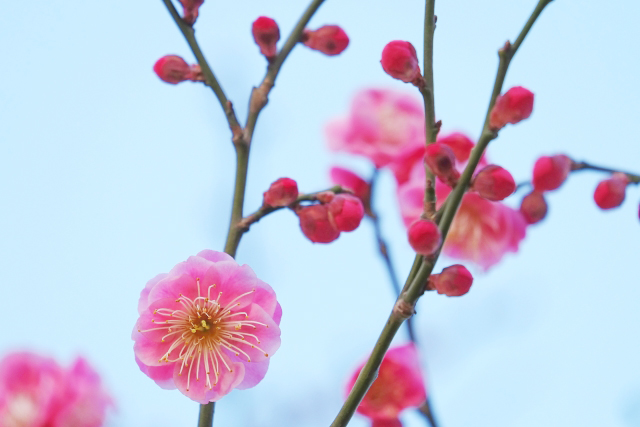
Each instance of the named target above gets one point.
<point>203,331</point>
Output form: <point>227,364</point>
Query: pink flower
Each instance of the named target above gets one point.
<point>424,236</point>
<point>400,61</point>
<point>282,192</point>
<point>442,162</point>
<point>383,125</point>
<point>329,39</point>
<point>459,143</point>
<point>610,193</point>
<point>453,281</point>
<point>207,327</point>
<point>36,392</point>
<point>550,172</point>
<point>482,231</point>
<point>346,212</point>
<point>399,386</point>
<point>190,10</point>
<point>173,69</point>
<point>533,207</point>
<point>316,224</point>
<point>513,106</point>
<point>494,183</point>
<point>351,181</point>
<point>266,34</point>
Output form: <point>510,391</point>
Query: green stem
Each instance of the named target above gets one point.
<point>206,415</point>
<point>428,96</point>
<point>404,306</point>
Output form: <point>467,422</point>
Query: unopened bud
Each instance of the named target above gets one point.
<point>386,422</point>
<point>454,281</point>
<point>533,207</point>
<point>550,172</point>
<point>190,10</point>
<point>266,35</point>
<point>173,69</point>
<point>424,237</point>
<point>282,192</point>
<point>460,144</point>
<point>346,212</point>
<point>315,224</point>
<point>442,162</point>
<point>494,183</point>
<point>610,193</point>
<point>329,39</point>
<point>512,107</point>
<point>400,61</point>
<point>325,196</point>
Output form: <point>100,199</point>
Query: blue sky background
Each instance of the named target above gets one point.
<point>110,176</point>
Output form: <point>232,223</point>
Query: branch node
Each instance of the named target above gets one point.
<point>403,309</point>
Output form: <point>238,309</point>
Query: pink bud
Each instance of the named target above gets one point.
<point>400,61</point>
<point>533,207</point>
<point>325,196</point>
<point>315,224</point>
<point>550,172</point>
<point>424,237</point>
<point>460,144</point>
<point>346,212</point>
<point>494,183</point>
<point>266,34</point>
<point>282,192</point>
<point>190,8</point>
<point>454,281</point>
<point>329,39</point>
<point>515,105</point>
<point>442,161</point>
<point>610,192</point>
<point>172,69</point>
<point>386,422</point>
<point>351,181</point>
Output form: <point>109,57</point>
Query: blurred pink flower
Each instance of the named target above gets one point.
<point>207,327</point>
<point>382,125</point>
<point>36,392</point>
<point>399,386</point>
<point>482,231</point>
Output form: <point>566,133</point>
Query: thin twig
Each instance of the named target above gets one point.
<point>404,306</point>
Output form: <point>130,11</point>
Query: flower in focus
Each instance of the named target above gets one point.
<point>266,35</point>
<point>207,327</point>
<point>513,106</point>
<point>399,385</point>
<point>37,392</point>
<point>400,61</point>
<point>424,236</point>
<point>346,212</point>
<point>383,125</point>
<point>190,10</point>
<point>329,39</point>
<point>282,192</point>
<point>482,231</point>
<point>453,281</point>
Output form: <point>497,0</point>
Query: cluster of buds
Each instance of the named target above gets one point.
<point>453,281</point>
<point>324,219</point>
<point>400,61</point>
<point>513,106</point>
<point>173,69</point>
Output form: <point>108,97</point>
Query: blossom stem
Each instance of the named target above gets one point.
<point>265,210</point>
<point>431,128</point>
<point>404,306</point>
<point>425,409</point>
<point>583,166</point>
<point>206,415</point>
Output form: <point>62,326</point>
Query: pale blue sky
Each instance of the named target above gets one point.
<point>111,177</point>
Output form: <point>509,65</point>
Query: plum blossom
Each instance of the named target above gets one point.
<point>382,125</point>
<point>482,231</point>
<point>207,327</point>
<point>37,392</point>
<point>399,385</point>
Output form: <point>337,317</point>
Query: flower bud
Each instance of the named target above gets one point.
<point>400,61</point>
<point>494,183</point>
<point>172,69</point>
<point>550,172</point>
<point>329,39</point>
<point>533,207</point>
<point>282,192</point>
<point>424,237</point>
<point>460,144</point>
<point>441,160</point>
<point>351,181</point>
<point>190,10</point>
<point>515,105</point>
<point>346,212</point>
<point>386,422</point>
<point>454,281</point>
<point>325,196</point>
<point>315,224</point>
<point>610,192</point>
<point>266,34</point>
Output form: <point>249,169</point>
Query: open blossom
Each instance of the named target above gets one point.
<point>207,327</point>
<point>482,231</point>
<point>383,125</point>
<point>37,392</point>
<point>399,386</point>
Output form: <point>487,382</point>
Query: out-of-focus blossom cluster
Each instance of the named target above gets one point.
<point>35,391</point>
